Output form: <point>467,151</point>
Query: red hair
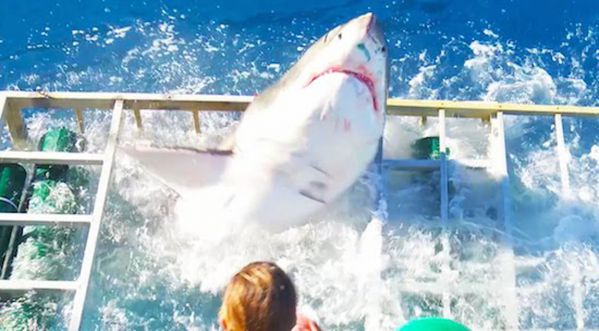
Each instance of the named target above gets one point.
<point>260,297</point>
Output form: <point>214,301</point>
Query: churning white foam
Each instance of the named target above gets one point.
<point>352,275</point>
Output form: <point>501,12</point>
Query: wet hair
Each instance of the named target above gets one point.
<point>260,297</point>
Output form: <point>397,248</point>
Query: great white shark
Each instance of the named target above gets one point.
<point>300,143</point>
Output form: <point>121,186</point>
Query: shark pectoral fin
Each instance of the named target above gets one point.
<point>182,169</point>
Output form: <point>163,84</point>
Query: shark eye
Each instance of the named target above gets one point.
<point>339,35</point>
<point>383,49</point>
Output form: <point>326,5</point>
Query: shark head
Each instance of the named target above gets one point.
<point>300,143</point>
<point>356,48</point>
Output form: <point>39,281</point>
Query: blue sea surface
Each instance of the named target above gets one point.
<point>77,45</point>
<point>544,52</point>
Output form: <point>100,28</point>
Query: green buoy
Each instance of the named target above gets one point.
<point>50,193</point>
<point>427,148</point>
<point>12,182</point>
<point>56,140</point>
<point>433,324</point>
<point>48,252</point>
<point>52,190</point>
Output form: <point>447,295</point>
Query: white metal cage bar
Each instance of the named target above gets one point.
<point>444,184</point>
<point>11,104</point>
<point>44,219</point>
<point>37,285</point>
<point>506,256</point>
<point>52,158</point>
<point>575,279</point>
<point>98,212</point>
<point>563,154</point>
<point>444,211</point>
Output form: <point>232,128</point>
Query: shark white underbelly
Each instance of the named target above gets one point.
<point>300,144</point>
<point>291,174</point>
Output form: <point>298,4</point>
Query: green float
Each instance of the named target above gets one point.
<point>433,324</point>
<point>53,191</point>
<point>428,148</point>
<point>48,252</point>
<point>12,182</point>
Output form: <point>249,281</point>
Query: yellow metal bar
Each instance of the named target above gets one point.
<point>80,123</point>
<point>137,116</point>
<point>13,119</point>
<point>395,106</point>
<point>480,109</point>
<point>196,120</point>
<point>131,101</point>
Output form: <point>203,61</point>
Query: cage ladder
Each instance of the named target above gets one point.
<point>13,119</point>
<point>441,165</point>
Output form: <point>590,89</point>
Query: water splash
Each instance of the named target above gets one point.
<point>149,276</point>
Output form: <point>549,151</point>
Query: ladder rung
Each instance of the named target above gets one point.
<point>412,164</point>
<point>52,158</point>
<point>44,219</point>
<point>37,285</point>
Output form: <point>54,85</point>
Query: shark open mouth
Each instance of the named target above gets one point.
<point>365,79</point>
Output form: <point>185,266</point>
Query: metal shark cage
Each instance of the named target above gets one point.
<point>12,103</point>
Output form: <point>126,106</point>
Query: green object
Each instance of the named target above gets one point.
<point>48,252</point>
<point>427,148</point>
<point>12,182</point>
<point>51,193</point>
<point>433,324</point>
<point>54,190</point>
<point>55,140</point>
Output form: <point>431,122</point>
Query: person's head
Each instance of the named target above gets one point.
<point>260,297</point>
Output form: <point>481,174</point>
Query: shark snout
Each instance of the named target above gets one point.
<point>366,21</point>
<point>372,27</point>
<point>367,18</point>
<point>371,19</point>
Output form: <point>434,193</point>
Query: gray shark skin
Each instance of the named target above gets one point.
<point>300,144</point>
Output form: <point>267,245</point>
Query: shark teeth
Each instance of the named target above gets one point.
<point>364,78</point>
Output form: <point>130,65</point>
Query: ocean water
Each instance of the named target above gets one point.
<point>151,274</point>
